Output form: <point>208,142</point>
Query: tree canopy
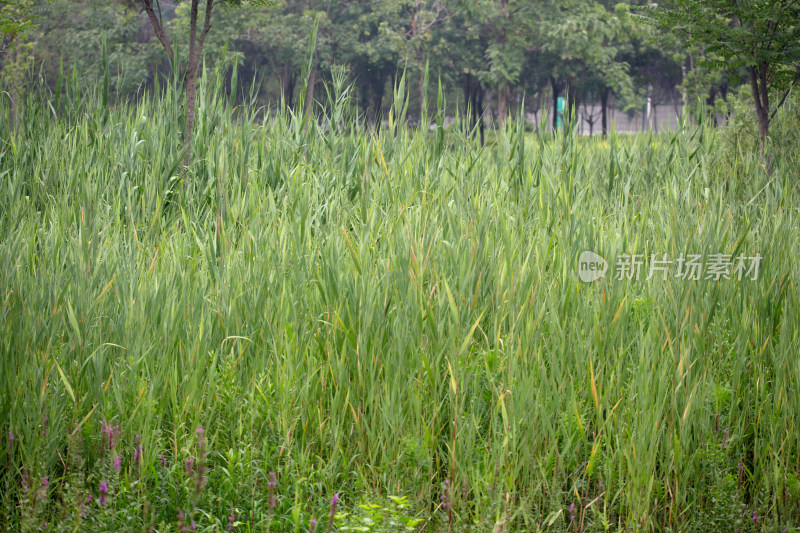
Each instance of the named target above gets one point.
<point>760,37</point>
<point>492,56</point>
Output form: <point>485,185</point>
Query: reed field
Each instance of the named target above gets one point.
<point>322,326</point>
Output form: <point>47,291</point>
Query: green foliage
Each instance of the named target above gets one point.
<point>76,33</point>
<point>582,36</point>
<point>736,34</point>
<point>374,518</point>
<point>376,313</point>
<point>740,136</point>
<point>760,38</point>
<point>16,19</point>
<point>493,53</point>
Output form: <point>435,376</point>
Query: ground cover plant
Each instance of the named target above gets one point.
<point>323,327</point>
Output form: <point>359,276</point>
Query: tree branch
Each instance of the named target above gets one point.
<point>206,23</point>
<point>192,35</point>
<point>6,44</point>
<point>159,30</point>
<point>795,81</point>
<point>196,43</point>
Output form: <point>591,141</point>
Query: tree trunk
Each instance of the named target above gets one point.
<point>191,84</point>
<point>195,52</point>
<point>190,78</point>
<point>502,105</point>
<point>487,112</point>
<point>191,93</point>
<point>604,111</point>
<point>159,30</point>
<point>466,87</point>
<point>712,97</point>
<point>288,85</point>
<point>760,100</point>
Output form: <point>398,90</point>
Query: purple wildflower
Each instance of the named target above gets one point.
<point>572,511</point>
<point>739,479</point>
<point>189,469</point>
<point>117,463</point>
<point>43,489</point>
<point>201,478</point>
<point>313,525</point>
<point>445,497</point>
<point>103,494</point>
<point>231,518</point>
<point>724,438</point>
<point>755,516</point>
<point>10,437</point>
<point>163,462</point>
<point>137,453</point>
<point>272,484</point>
<point>200,482</point>
<point>109,431</point>
<point>334,503</point>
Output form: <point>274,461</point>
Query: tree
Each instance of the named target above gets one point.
<point>655,70</point>
<point>508,26</point>
<point>368,51</point>
<point>463,59</point>
<point>195,51</point>
<point>16,18</point>
<point>97,37</point>
<point>408,25</point>
<point>760,37</point>
<point>579,43</point>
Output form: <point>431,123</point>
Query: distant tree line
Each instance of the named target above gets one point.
<point>490,55</point>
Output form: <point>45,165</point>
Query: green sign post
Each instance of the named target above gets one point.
<point>560,105</point>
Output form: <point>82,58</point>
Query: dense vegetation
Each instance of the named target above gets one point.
<point>315,317</point>
<point>488,53</point>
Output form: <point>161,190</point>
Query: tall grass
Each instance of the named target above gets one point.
<point>385,313</point>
